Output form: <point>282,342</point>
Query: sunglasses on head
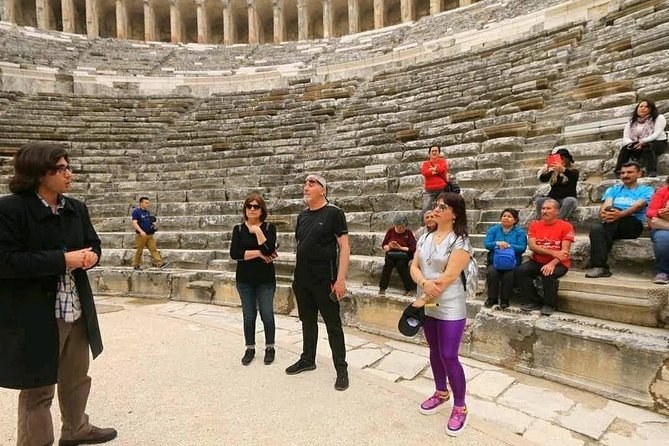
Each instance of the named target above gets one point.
<point>256,207</point>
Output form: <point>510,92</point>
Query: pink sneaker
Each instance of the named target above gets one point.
<point>434,403</point>
<point>457,421</point>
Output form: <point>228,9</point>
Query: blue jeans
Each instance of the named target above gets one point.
<point>660,238</point>
<point>254,296</point>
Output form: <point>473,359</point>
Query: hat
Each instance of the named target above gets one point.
<point>411,320</point>
<point>317,178</point>
<point>565,153</point>
<point>400,220</point>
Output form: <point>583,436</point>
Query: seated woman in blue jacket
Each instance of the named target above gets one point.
<point>506,234</point>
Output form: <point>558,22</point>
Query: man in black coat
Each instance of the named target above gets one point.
<point>47,313</point>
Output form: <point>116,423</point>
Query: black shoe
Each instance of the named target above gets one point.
<point>269,355</point>
<point>137,268</point>
<point>489,303</point>
<point>597,272</point>
<point>547,310</point>
<point>504,304</point>
<point>530,306</point>
<point>95,436</point>
<point>342,381</point>
<point>652,174</point>
<point>299,367</point>
<point>248,356</point>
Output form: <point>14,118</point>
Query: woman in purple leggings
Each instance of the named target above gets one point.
<point>440,257</point>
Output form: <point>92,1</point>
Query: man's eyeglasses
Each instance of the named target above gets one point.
<point>441,206</point>
<point>256,207</point>
<point>62,169</point>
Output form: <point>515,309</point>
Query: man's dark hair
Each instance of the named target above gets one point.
<point>33,161</point>
<point>651,105</point>
<point>632,164</point>
<point>143,199</point>
<point>457,203</point>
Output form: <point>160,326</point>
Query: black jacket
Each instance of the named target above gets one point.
<point>32,241</point>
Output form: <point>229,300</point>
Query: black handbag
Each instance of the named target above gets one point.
<point>397,255</point>
<point>452,187</point>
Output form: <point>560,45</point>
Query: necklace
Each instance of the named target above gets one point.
<point>434,247</point>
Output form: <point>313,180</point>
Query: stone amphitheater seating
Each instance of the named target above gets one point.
<point>497,111</point>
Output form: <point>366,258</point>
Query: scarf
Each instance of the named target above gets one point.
<point>642,128</point>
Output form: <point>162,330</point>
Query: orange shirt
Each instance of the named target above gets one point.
<point>550,237</point>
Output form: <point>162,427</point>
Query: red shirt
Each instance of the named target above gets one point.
<point>435,181</point>
<point>405,239</point>
<point>660,200</point>
<point>550,237</point>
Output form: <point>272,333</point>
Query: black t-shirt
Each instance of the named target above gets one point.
<point>254,270</point>
<point>565,185</point>
<point>316,233</point>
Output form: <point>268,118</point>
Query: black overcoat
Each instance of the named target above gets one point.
<point>32,243</point>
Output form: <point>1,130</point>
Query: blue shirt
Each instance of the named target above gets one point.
<point>623,198</point>
<point>143,218</point>
<point>516,238</point>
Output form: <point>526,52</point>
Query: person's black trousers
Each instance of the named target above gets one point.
<point>497,281</point>
<point>525,274</point>
<point>312,298</point>
<point>603,235</point>
<point>402,266</point>
<point>647,155</point>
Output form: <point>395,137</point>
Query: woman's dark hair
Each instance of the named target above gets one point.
<point>429,149</point>
<point>651,105</point>
<point>457,203</point>
<point>255,196</point>
<point>513,212</point>
<point>33,161</point>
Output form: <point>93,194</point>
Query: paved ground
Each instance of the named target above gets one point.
<point>171,375</point>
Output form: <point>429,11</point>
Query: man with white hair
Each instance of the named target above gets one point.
<point>322,259</point>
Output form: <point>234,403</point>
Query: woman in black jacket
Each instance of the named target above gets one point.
<point>563,177</point>
<point>254,248</point>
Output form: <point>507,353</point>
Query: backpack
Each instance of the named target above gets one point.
<point>503,259</point>
<point>470,276</point>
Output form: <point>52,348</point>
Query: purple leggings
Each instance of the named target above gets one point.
<point>444,337</point>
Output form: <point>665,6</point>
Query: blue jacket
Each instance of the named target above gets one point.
<point>517,238</point>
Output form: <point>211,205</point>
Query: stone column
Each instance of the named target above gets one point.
<point>202,23</point>
<point>11,10</point>
<point>43,12</point>
<point>279,34</point>
<point>353,17</point>
<point>176,27</point>
<point>67,10</point>
<point>328,19</point>
<point>254,24</point>
<point>121,20</point>
<point>407,10</point>
<point>379,13</point>
<point>302,20</point>
<point>465,2</point>
<point>228,23</point>
<point>435,7</point>
<point>149,21</point>
<point>92,21</point>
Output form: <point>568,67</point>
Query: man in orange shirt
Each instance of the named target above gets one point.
<point>549,240</point>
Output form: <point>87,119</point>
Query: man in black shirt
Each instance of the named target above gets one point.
<point>319,284</point>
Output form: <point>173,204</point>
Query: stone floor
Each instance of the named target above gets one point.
<point>171,375</point>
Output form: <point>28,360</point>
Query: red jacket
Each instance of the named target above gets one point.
<point>434,182</point>
<point>660,200</point>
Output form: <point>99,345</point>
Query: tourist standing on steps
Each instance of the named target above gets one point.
<point>658,221</point>
<point>144,225</point>
<point>623,216</point>
<point>507,234</point>
<point>563,177</point>
<point>399,246</point>
<point>643,138</point>
<point>550,241</point>
<point>254,248</point>
<point>48,320</point>
<point>322,259</point>
<point>440,258</point>
<point>435,178</point>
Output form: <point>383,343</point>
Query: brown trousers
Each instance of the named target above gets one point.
<point>148,241</point>
<point>35,427</point>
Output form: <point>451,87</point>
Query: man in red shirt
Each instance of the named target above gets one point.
<point>549,240</point>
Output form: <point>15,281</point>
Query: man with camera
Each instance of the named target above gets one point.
<point>623,215</point>
<point>322,259</point>
<point>145,226</point>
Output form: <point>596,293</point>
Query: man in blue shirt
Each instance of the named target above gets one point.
<point>143,223</point>
<point>623,215</point>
